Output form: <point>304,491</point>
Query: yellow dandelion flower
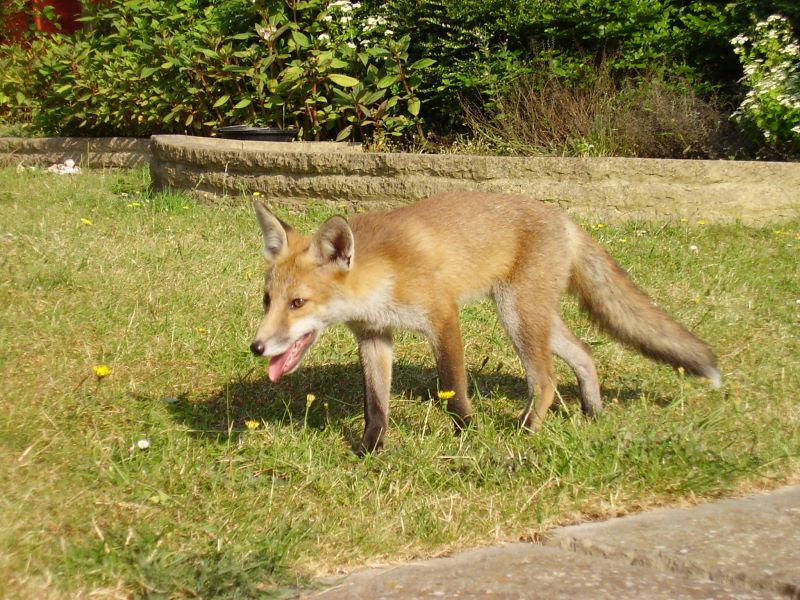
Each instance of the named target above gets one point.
<point>256,194</point>
<point>252,424</point>
<point>134,204</point>
<point>310,398</point>
<point>446,394</point>
<point>701,221</point>
<point>87,222</point>
<point>202,330</point>
<point>101,371</point>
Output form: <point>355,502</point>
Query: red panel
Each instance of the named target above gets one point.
<point>66,11</point>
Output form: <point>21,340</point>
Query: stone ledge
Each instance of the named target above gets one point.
<point>109,152</point>
<point>612,189</point>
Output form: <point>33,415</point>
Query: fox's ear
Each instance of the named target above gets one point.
<point>334,244</point>
<point>273,230</point>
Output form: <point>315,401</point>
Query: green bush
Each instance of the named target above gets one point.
<point>146,66</point>
<point>368,70</point>
<point>16,75</point>
<point>483,45</point>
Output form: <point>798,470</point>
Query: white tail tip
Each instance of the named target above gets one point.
<point>714,377</point>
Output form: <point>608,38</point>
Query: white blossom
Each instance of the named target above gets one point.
<point>265,33</point>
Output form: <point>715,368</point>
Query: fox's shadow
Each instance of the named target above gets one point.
<point>338,398</point>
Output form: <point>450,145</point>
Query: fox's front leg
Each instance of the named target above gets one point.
<point>375,351</point>
<point>448,349</point>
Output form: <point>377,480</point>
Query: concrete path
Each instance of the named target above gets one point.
<point>742,548</point>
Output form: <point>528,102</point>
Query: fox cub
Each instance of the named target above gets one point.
<point>413,267</point>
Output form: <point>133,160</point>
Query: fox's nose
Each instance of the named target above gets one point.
<point>257,348</point>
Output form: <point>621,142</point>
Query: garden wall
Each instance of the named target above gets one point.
<point>611,189</point>
<point>87,152</point>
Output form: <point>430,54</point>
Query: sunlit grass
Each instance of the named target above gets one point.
<point>243,487</point>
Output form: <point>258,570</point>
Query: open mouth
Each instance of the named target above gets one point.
<point>287,362</point>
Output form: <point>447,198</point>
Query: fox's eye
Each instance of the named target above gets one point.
<point>266,301</point>
<point>297,303</point>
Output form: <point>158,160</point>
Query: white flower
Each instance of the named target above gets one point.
<point>143,444</point>
<point>324,37</point>
<point>265,33</point>
<point>373,22</point>
<point>694,248</point>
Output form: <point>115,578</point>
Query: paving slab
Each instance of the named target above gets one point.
<point>524,570</point>
<point>752,542</point>
<point>740,549</point>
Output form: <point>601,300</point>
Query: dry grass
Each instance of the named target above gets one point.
<point>602,116</point>
<point>166,293</point>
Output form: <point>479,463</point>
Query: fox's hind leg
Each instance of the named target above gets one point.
<point>525,315</point>
<point>578,356</point>
<point>448,348</point>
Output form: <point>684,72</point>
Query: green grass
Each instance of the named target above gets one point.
<point>166,292</point>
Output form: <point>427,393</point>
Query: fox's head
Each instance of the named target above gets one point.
<point>302,287</point>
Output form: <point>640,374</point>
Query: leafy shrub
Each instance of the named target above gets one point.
<point>481,46</point>
<point>147,66</point>
<point>372,69</point>
<point>771,60</point>
<point>602,115</point>
<point>16,73</point>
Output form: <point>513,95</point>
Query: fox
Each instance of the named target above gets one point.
<point>415,266</point>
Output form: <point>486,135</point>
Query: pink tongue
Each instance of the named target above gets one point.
<point>282,363</point>
<point>276,366</point>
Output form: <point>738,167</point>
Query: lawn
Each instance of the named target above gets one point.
<point>149,482</point>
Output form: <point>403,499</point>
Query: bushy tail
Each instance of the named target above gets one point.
<point>614,302</point>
